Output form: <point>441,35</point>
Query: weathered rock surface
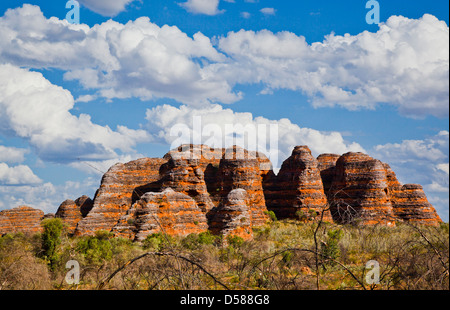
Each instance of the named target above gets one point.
<point>297,190</point>
<point>186,169</point>
<point>326,163</point>
<point>359,191</point>
<point>22,219</point>
<point>71,212</point>
<point>168,212</point>
<point>411,205</point>
<point>240,169</point>
<point>233,216</point>
<point>115,195</point>
<point>228,191</point>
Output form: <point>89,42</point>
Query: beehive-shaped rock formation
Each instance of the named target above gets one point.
<point>115,195</point>
<point>233,216</point>
<point>297,190</point>
<point>411,205</point>
<point>167,212</point>
<point>360,191</point>
<point>22,219</point>
<point>240,169</point>
<point>71,212</point>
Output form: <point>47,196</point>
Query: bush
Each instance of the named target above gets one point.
<point>271,215</point>
<point>51,240</point>
<point>330,248</point>
<point>195,241</point>
<point>157,241</point>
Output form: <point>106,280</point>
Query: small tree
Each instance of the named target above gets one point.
<point>51,239</point>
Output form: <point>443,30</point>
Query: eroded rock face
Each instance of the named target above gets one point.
<point>411,205</point>
<point>360,191</point>
<point>297,190</point>
<point>186,170</point>
<point>168,212</point>
<point>71,212</point>
<point>326,163</point>
<point>240,169</point>
<point>119,187</point>
<point>22,219</point>
<point>233,216</point>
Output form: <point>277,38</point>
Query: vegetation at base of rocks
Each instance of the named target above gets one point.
<point>281,256</point>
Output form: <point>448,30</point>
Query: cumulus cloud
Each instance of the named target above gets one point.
<point>424,162</point>
<point>218,127</point>
<point>405,63</point>
<point>12,154</point>
<point>207,7</point>
<point>34,109</point>
<point>136,59</point>
<point>46,196</point>
<point>268,11</point>
<point>106,7</point>
<point>17,175</point>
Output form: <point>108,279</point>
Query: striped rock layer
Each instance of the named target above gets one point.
<point>195,188</point>
<point>297,190</point>
<point>22,219</point>
<point>71,212</point>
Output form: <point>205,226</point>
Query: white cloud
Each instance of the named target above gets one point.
<point>423,162</point>
<point>12,154</point>
<point>405,63</point>
<point>443,167</point>
<point>246,15</point>
<point>38,111</point>
<point>106,7</point>
<point>46,196</point>
<point>268,11</point>
<point>17,175</point>
<point>162,119</point>
<point>207,7</point>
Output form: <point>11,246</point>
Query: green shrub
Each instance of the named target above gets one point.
<point>330,248</point>
<point>51,240</point>
<point>235,241</point>
<point>271,215</point>
<point>157,241</point>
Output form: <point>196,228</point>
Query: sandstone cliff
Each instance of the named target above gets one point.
<point>22,219</point>
<point>195,188</point>
<point>297,190</point>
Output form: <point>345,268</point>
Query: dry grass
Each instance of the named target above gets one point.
<point>281,256</point>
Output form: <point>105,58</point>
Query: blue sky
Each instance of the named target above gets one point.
<point>75,99</point>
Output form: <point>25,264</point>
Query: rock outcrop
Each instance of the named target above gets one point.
<point>240,169</point>
<point>297,190</point>
<point>22,219</point>
<point>359,191</point>
<point>326,163</point>
<point>195,188</point>
<point>410,204</point>
<point>168,212</point>
<point>71,212</point>
<point>116,193</point>
<point>233,216</point>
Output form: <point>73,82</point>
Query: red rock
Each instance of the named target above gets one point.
<point>22,219</point>
<point>169,212</point>
<point>233,217</point>
<point>411,205</point>
<point>326,163</point>
<point>71,212</point>
<point>240,169</point>
<point>297,189</point>
<point>360,191</point>
<point>117,191</point>
<point>185,170</point>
